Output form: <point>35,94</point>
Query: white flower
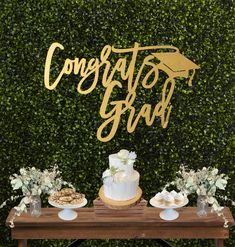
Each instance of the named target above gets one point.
<point>106,173</point>
<point>16,183</point>
<point>132,155</point>
<point>22,171</point>
<point>123,154</point>
<point>126,157</point>
<point>26,200</point>
<point>215,171</point>
<point>211,200</point>
<point>221,183</point>
<point>189,182</point>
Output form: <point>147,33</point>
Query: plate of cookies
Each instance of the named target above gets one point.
<point>169,200</point>
<point>67,199</point>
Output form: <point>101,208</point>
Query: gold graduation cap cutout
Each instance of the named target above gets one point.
<point>176,65</point>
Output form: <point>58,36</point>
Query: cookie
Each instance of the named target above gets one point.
<point>76,201</point>
<point>66,198</point>
<point>67,191</point>
<point>77,196</point>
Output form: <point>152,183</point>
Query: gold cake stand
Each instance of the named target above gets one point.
<point>120,204</point>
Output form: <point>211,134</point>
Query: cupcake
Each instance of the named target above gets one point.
<point>169,200</point>
<point>159,198</point>
<point>165,193</point>
<point>179,199</point>
<point>173,193</point>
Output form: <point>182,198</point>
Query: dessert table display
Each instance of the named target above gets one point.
<point>120,212</point>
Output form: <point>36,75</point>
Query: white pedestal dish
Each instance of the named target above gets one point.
<point>68,213</point>
<point>168,213</point>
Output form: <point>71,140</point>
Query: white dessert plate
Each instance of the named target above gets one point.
<point>57,205</point>
<point>68,213</point>
<point>168,213</point>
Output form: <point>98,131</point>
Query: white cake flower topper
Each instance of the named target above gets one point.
<point>111,175</point>
<point>107,173</point>
<point>125,156</point>
<point>132,156</point>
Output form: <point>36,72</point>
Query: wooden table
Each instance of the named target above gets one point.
<point>149,226</point>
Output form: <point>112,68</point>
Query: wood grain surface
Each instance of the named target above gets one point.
<point>90,226</point>
<point>135,210</point>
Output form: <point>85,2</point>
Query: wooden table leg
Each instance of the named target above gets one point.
<point>22,243</point>
<point>219,243</point>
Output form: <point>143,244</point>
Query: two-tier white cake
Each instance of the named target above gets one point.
<point>121,180</point>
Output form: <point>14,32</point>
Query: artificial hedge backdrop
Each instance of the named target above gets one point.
<point>41,128</point>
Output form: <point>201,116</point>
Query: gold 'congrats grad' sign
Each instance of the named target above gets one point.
<point>172,63</point>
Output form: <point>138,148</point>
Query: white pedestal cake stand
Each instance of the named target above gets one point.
<point>68,213</point>
<point>168,213</point>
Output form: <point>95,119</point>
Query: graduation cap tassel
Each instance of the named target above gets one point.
<point>190,79</point>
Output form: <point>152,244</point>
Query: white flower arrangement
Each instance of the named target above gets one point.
<point>204,182</point>
<point>34,182</point>
<point>125,156</point>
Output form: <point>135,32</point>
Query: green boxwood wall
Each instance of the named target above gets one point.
<point>40,128</point>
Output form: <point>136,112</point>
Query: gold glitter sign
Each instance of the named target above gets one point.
<point>172,62</point>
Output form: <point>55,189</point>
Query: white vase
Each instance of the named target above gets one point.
<point>35,206</point>
<point>202,206</point>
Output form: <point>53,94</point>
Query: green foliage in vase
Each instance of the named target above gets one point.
<point>204,182</point>
<point>33,182</point>
<point>40,128</point>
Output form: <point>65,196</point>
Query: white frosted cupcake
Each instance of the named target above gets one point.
<point>159,198</point>
<point>173,193</point>
<point>179,199</point>
<point>165,193</point>
<point>169,200</point>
